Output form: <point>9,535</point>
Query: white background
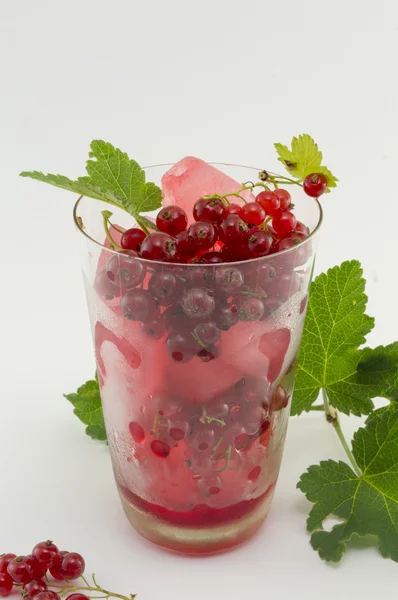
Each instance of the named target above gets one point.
<point>222,80</point>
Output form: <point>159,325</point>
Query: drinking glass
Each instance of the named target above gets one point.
<point>196,394</point>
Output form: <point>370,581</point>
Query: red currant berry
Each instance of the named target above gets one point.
<point>227,316</point>
<point>125,270</point>
<point>132,239</point>
<point>164,286</point>
<point>211,258</point>
<point>254,473</point>
<point>138,305</point>
<point>155,328</point>
<point>5,560</point>
<point>210,209</point>
<point>175,319</point>
<point>6,585</point>
<point>269,202</point>
<point>284,286</point>
<point>186,247</point>
<point>315,185</point>
<point>280,399</point>
<point>298,256</point>
<point>233,209</point>
<point>233,229</point>
<point>160,449</point>
<point>104,286</point>
<point>31,589</point>
<point>158,246</point>
<point>179,429</point>
<point>229,279</point>
<point>242,441</point>
<point>301,228</point>
<point>202,234</point>
<point>284,198</point>
<point>56,570</point>
<point>39,570</point>
<point>72,565</point>
<point>250,308</point>
<point>258,243</point>
<point>197,303</point>
<point>289,241</point>
<point>180,346</point>
<point>207,354</point>
<point>253,213</point>
<point>20,569</point>
<point>198,208</point>
<point>46,553</point>
<point>265,273</point>
<point>172,220</point>
<point>284,223</point>
<point>207,333</point>
<point>47,595</point>
<point>77,596</point>
<point>137,432</point>
<point>200,276</point>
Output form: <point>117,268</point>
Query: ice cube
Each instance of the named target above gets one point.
<point>200,382</point>
<point>191,178</point>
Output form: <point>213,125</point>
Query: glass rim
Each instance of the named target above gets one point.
<point>158,262</point>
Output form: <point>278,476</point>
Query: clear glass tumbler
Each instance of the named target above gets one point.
<point>196,408</point>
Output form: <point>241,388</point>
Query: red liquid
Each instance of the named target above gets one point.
<point>201,515</point>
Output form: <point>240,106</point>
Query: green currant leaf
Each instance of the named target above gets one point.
<point>330,358</point>
<point>88,408</point>
<point>366,504</point>
<point>304,158</point>
<point>113,171</point>
<point>83,188</point>
<point>112,177</point>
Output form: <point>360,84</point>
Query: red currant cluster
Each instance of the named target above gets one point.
<point>31,575</point>
<point>233,232</point>
<point>193,305</point>
<point>29,572</point>
<point>221,232</point>
<point>225,430</point>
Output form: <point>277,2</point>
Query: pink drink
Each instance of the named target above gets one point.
<point>196,430</point>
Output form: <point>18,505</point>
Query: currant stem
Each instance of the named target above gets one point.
<point>333,417</point>
<point>106,215</point>
<point>320,407</point>
<point>286,180</point>
<point>249,185</point>
<point>143,227</point>
<point>205,419</point>
<point>61,590</point>
<point>227,456</point>
<point>116,228</point>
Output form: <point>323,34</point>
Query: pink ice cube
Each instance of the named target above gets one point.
<point>200,382</point>
<point>255,349</point>
<point>191,178</point>
<point>137,352</point>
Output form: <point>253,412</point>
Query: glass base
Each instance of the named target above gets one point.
<point>194,540</point>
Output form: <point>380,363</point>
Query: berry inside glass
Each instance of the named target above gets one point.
<point>196,330</point>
